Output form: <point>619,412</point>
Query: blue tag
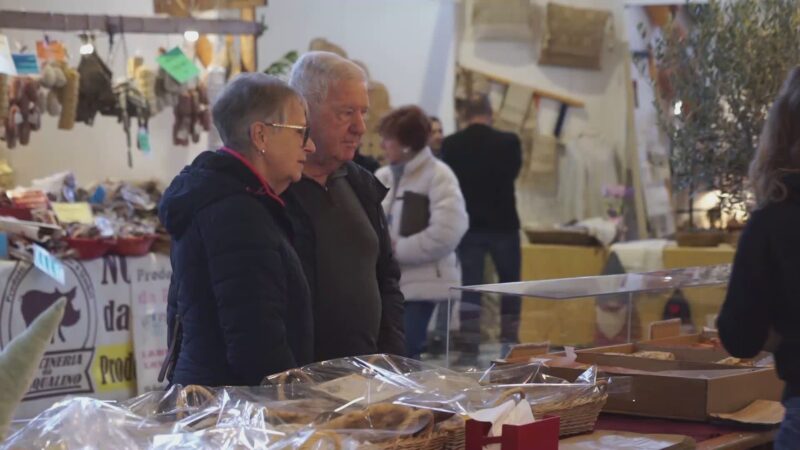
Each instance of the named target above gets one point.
<point>26,63</point>
<point>143,140</point>
<point>48,264</point>
<point>3,245</point>
<point>99,196</point>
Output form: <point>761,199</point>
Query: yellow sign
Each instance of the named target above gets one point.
<point>73,212</point>
<point>114,368</point>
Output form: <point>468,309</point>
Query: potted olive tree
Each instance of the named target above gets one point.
<point>720,66</point>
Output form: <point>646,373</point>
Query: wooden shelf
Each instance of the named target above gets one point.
<point>543,93</point>
<point>125,24</point>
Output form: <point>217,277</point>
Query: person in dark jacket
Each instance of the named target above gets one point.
<point>238,298</point>
<point>762,307</point>
<point>342,237</point>
<point>366,161</point>
<point>486,162</point>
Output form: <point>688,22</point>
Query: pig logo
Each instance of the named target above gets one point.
<point>66,366</point>
<point>36,302</point>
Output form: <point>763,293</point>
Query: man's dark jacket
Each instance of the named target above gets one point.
<point>370,193</point>
<point>237,283</point>
<point>486,162</point>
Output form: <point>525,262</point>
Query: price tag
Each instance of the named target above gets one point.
<point>6,62</point>
<point>73,212</point>
<point>143,140</point>
<point>25,63</point>
<point>48,264</point>
<point>51,51</point>
<point>178,66</point>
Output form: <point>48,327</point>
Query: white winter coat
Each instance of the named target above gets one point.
<point>428,261</point>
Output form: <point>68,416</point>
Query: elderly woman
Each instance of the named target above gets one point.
<point>239,305</point>
<point>420,186</point>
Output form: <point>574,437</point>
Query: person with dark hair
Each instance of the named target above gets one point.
<point>486,162</point>
<point>762,307</point>
<point>239,306</point>
<point>437,136</point>
<point>342,237</point>
<point>424,248</point>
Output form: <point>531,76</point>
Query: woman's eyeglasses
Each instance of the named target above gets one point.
<point>306,129</point>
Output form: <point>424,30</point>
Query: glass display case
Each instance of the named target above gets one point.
<point>485,321</point>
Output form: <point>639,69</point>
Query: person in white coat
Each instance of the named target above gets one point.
<point>427,218</point>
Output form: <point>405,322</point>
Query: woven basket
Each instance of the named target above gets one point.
<point>574,419</point>
<point>455,440</point>
<point>576,416</point>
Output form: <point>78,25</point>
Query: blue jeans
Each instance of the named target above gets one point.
<point>504,248</point>
<point>789,434</point>
<point>417,316</point>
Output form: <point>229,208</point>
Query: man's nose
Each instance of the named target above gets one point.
<point>359,124</point>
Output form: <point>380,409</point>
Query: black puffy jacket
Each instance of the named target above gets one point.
<point>763,293</point>
<point>237,284</point>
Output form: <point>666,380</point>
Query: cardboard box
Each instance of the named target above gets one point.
<point>676,389</point>
<point>693,348</point>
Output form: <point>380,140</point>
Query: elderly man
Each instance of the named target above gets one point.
<point>239,306</point>
<point>342,237</point>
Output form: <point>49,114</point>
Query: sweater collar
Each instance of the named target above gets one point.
<point>265,188</point>
<point>419,160</point>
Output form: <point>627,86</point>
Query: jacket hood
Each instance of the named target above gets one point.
<point>211,177</point>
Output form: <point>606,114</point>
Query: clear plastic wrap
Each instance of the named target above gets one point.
<point>85,423</point>
<point>358,382</point>
<point>376,402</point>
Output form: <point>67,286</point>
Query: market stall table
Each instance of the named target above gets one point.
<point>707,435</point>
<point>546,320</point>
<point>676,257</point>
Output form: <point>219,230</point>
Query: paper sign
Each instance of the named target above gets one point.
<point>357,389</point>
<point>6,62</point>
<point>73,212</point>
<point>51,51</point>
<point>48,264</point>
<point>178,66</point>
<point>26,63</point>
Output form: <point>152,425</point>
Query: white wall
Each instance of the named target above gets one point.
<point>604,91</point>
<point>652,144</point>
<point>407,45</point>
<point>98,151</point>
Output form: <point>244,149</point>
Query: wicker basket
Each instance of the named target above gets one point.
<point>574,419</point>
<point>455,440</point>
<point>577,416</point>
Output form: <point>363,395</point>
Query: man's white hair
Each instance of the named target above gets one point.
<point>314,73</point>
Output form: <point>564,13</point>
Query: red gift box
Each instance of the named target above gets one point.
<point>539,435</point>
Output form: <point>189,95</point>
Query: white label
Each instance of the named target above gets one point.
<point>6,62</point>
<point>48,264</point>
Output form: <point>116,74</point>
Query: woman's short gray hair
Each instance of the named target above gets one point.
<point>248,98</point>
<point>314,73</point>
